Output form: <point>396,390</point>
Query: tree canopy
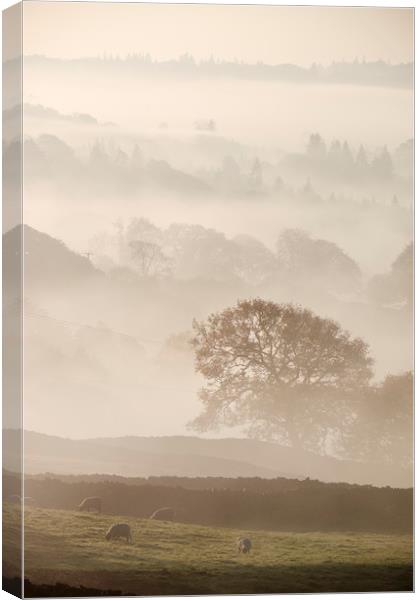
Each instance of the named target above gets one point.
<point>382,429</point>
<point>278,369</point>
<point>314,262</point>
<point>396,286</point>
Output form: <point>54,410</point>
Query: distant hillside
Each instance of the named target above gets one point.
<point>38,111</point>
<point>48,261</point>
<point>52,454</point>
<point>49,157</point>
<point>192,457</point>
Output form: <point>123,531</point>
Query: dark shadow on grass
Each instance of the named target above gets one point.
<point>242,579</point>
<point>57,590</point>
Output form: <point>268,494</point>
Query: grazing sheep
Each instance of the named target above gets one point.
<point>244,545</point>
<point>92,503</point>
<point>163,514</point>
<point>119,530</point>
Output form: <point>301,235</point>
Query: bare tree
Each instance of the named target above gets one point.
<point>149,259</point>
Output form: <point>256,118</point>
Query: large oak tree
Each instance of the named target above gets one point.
<point>277,369</point>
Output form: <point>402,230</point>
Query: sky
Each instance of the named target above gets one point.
<point>271,34</point>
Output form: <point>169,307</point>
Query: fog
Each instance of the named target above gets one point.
<point>160,114</point>
<point>159,192</point>
<point>276,115</point>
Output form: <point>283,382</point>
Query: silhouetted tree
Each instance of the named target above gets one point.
<point>361,160</point>
<point>334,153</point>
<point>383,422</point>
<point>403,158</point>
<point>256,177</point>
<point>382,166</point>
<point>98,156</point>
<point>278,369</point>
<point>316,147</point>
<point>205,125</point>
<point>149,259</point>
<point>253,261</point>
<point>347,156</point>
<point>308,261</point>
<point>121,158</point>
<point>396,286</point>
<point>144,230</point>
<point>137,158</point>
<point>201,252</point>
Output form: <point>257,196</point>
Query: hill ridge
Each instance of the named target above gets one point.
<point>192,456</point>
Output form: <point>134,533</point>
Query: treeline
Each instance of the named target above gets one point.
<point>280,504</point>
<point>339,161</point>
<point>357,72</point>
<point>383,176</point>
<point>260,485</point>
<point>300,261</point>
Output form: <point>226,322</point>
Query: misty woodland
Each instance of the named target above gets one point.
<point>217,300</point>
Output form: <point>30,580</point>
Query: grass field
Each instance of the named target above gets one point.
<point>173,558</point>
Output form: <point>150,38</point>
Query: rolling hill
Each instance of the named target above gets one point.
<point>190,457</point>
